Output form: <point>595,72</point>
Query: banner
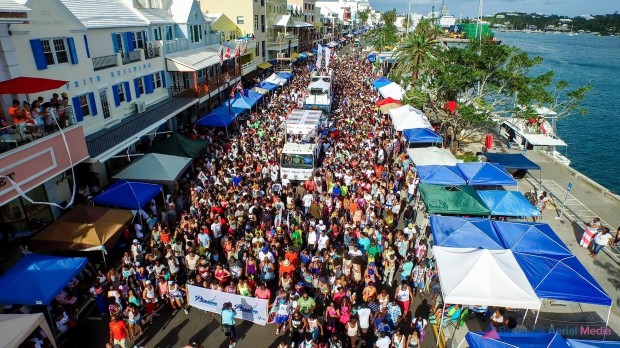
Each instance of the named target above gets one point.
<point>203,178</point>
<point>247,308</point>
<point>327,57</point>
<point>319,57</point>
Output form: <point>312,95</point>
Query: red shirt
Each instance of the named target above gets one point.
<point>118,330</point>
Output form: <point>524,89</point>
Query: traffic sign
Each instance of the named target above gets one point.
<point>570,186</point>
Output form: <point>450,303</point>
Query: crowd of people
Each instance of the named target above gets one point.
<point>328,253</point>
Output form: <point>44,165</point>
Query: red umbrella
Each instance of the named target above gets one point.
<point>387,100</point>
<point>29,85</point>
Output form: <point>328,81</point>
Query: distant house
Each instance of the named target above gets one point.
<point>500,16</point>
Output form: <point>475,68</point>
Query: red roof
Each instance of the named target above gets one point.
<point>387,100</point>
<point>28,85</point>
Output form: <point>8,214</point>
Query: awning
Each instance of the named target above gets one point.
<point>28,85</point>
<point>191,60</point>
<point>518,339</point>
<point>508,203</point>
<point>155,168</point>
<point>300,24</point>
<point>426,156</point>
<point>511,160</point>
<point>260,90</point>
<point>543,140</point>
<point>15,329</point>
<point>179,145</point>
<point>281,20</point>
<point>128,195</point>
<point>264,65</point>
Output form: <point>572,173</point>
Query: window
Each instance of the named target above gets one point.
<point>140,86</point>
<point>169,35</point>
<point>201,73</point>
<point>138,39</point>
<point>262,23</point>
<point>256,51</point>
<point>157,80</point>
<point>84,105</point>
<point>118,37</point>
<point>255,22</point>
<point>121,92</point>
<point>240,20</point>
<point>55,51</point>
<point>157,33</point>
<point>103,95</point>
<point>195,33</point>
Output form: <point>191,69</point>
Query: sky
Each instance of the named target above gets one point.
<point>469,8</point>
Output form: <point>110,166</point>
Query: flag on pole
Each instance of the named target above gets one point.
<point>319,57</point>
<point>245,48</point>
<point>327,57</point>
<point>239,86</point>
<point>219,54</point>
<point>232,93</point>
<point>238,50</point>
<point>227,54</point>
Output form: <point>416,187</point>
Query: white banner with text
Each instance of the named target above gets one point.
<point>247,308</point>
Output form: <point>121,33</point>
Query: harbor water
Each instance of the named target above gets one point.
<point>584,59</point>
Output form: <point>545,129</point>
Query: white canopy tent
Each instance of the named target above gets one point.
<point>15,328</point>
<point>155,168</point>
<point>543,140</point>
<point>393,90</point>
<point>427,156</point>
<point>276,80</point>
<point>408,117</point>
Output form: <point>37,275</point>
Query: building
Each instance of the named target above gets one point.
<point>281,40</point>
<point>303,15</point>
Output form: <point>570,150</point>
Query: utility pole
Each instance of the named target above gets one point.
<point>408,18</point>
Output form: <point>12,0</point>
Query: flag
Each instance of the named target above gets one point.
<point>219,54</point>
<point>327,57</point>
<point>238,50</point>
<point>239,86</point>
<point>232,93</point>
<point>227,54</point>
<point>319,57</point>
<point>245,48</point>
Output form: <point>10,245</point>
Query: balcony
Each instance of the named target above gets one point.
<point>131,57</point>
<point>176,45</point>
<point>32,156</point>
<point>211,85</point>
<point>213,39</point>
<point>281,42</point>
<point>104,62</point>
<point>248,67</point>
<point>150,53</point>
<point>251,42</point>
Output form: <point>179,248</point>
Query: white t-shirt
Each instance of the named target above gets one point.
<point>312,237</point>
<point>364,316</point>
<point>307,200</point>
<point>602,239</point>
<point>383,342</point>
<point>323,242</point>
<point>411,188</point>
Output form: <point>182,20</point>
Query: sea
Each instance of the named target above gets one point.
<point>584,59</point>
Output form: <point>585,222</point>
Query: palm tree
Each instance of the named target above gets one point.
<point>415,51</point>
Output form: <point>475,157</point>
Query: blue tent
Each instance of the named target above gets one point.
<point>421,135</point>
<point>313,50</point>
<point>303,56</point>
<point>515,340</point>
<point>508,203</point>
<point>267,85</point>
<point>128,195</point>
<point>457,232</point>
<point>512,160</point>
<point>530,237</point>
<point>219,116</point>
<point>285,75</point>
<point>380,82</point>
<point>242,102</point>
<point>254,95</point>
<point>487,174</point>
<point>37,279</point>
<point>441,175</point>
<point>591,343</point>
<point>372,57</point>
<point>562,278</point>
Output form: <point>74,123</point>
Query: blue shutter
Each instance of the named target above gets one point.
<point>114,43</point>
<point>127,91</point>
<point>163,79</point>
<point>92,104</point>
<point>78,110</point>
<point>136,86</point>
<point>129,41</point>
<point>148,84</point>
<point>37,51</point>
<point>117,99</point>
<point>72,52</point>
<point>86,45</point>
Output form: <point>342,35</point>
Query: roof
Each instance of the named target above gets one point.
<point>12,6</point>
<point>281,20</point>
<point>298,148</point>
<point>213,17</point>
<point>452,200</point>
<point>192,60</point>
<point>128,195</point>
<point>95,14</point>
<point>155,168</point>
<point>157,16</point>
<point>179,145</point>
<point>543,140</point>
<point>511,160</point>
<point>301,24</point>
<point>181,10</point>
<point>486,173</point>
<point>426,156</point>
<point>15,328</point>
<point>458,232</point>
<point>508,203</point>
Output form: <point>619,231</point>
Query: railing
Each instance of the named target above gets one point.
<point>18,134</point>
<point>153,52</point>
<point>206,87</point>
<point>176,45</point>
<point>283,40</point>
<point>248,67</point>
<point>131,57</point>
<point>104,62</point>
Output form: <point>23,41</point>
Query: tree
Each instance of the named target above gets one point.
<point>363,15</point>
<point>382,37</point>
<point>389,17</point>
<point>416,51</point>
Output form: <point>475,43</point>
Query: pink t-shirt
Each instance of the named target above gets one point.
<point>262,294</point>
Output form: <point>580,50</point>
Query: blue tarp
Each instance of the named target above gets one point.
<point>511,160</point>
<point>128,195</point>
<point>380,82</point>
<point>303,56</point>
<point>285,75</point>
<point>267,85</point>
<point>512,340</point>
<point>591,343</point>
<point>219,116</point>
<point>508,203</point>
<point>242,102</point>
<point>37,279</point>
<point>421,135</point>
<point>441,175</point>
<point>562,278</point>
<point>530,237</point>
<point>487,174</point>
<point>457,232</point>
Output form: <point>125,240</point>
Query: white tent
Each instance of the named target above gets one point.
<point>408,117</point>
<point>15,328</point>
<point>427,156</point>
<point>155,168</point>
<point>276,80</point>
<point>393,90</point>
<point>483,277</point>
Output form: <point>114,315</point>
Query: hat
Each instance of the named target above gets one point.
<point>135,241</point>
<point>287,262</point>
<point>410,225</point>
<point>320,222</point>
<point>264,249</point>
<point>170,282</point>
<point>148,282</point>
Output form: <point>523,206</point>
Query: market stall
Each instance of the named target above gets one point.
<point>508,203</point>
<point>15,328</point>
<point>155,168</point>
<point>179,145</point>
<point>452,200</point>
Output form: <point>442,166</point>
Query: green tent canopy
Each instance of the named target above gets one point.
<point>179,145</point>
<point>452,200</point>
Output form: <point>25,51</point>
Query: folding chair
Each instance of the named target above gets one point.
<point>457,320</point>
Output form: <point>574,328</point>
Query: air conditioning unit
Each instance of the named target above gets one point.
<point>140,107</point>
